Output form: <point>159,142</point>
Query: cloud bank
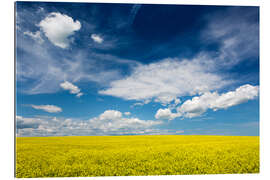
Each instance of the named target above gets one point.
<point>110,122</point>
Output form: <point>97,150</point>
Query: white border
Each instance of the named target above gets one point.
<point>7,88</point>
<point>199,2</point>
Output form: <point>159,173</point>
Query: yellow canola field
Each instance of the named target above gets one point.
<point>76,156</point>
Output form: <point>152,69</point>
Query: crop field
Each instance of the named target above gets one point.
<point>75,156</point>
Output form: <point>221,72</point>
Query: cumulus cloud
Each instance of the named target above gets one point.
<point>232,98</point>
<point>35,36</point>
<point>113,120</point>
<point>166,80</point>
<point>48,108</point>
<point>200,104</point>
<point>71,88</point>
<point>110,122</point>
<point>166,114</point>
<point>58,28</point>
<point>214,101</point>
<point>197,105</point>
<point>97,38</point>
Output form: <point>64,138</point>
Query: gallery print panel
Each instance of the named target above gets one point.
<point>114,89</point>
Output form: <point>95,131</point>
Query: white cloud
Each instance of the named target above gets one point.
<point>79,94</point>
<point>38,126</point>
<point>110,122</point>
<point>110,114</point>
<point>166,114</point>
<point>127,113</point>
<point>96,38</point>
<point>71,88</point>
<point>48,108</point>
<point>198,105</point>
<point>166,80</point>
<point>232,98</point>
<point>58,28</point>
<point>23,123</point>
<point>140,103</point>
<point>136,104</point>
<point>35,36</point>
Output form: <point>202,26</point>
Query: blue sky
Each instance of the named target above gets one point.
<point>122,69</point>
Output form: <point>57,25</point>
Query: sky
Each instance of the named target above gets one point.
<point>90,69</point>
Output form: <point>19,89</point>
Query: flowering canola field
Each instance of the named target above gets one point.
<point>75,156</point>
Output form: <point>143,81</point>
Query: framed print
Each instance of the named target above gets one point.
<point>118,89</point>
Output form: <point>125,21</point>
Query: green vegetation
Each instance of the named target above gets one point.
<point>135,155</point>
